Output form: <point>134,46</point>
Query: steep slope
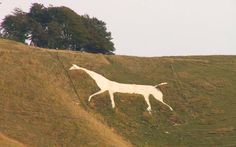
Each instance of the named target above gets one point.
<point>39,105</point>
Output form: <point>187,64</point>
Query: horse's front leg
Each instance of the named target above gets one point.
<point>149,109</point>
<point>101,91</point>
<point>112,99</point>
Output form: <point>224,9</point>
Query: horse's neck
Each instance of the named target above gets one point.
<point>94,75</point>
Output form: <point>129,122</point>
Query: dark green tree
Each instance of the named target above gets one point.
<point>99,38</point>
<point>15,26</point>
<point>58,27</point>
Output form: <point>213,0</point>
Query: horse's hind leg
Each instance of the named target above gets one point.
<point>149,109</point>
<point>101,91</point>
<point>159,96</point>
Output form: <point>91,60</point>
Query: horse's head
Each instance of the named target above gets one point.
<point>73,67</point>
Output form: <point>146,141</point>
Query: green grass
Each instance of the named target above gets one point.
<point>201,90</point>
<point>37,101</point>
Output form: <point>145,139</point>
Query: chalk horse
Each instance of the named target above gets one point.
<point>112,87</point>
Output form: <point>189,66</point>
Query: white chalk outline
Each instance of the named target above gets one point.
<point>112,87</point>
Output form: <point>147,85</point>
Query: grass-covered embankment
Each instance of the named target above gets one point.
<point>38,104</point>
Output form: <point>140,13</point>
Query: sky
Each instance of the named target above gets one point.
<point>156,27</point>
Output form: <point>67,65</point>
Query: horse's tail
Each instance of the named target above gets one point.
<point>164,83</point>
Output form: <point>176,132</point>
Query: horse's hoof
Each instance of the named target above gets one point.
<point>149,110</point>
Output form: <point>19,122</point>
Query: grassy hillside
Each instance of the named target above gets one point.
<point>8,142</point>
<point>39,106</point>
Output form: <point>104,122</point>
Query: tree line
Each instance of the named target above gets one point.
<point>57,27</point>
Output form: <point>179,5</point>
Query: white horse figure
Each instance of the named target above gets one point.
<point>112,87</point>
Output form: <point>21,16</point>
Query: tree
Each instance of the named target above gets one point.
<point>99,38</point>
<point>15,26</point>
<point>58,27</point>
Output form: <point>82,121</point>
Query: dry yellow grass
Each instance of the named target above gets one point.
<point>38,104</point>
<point>9,142</point>
<point>39,107</point>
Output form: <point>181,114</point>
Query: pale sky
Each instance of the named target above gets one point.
<point>157,27</point>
